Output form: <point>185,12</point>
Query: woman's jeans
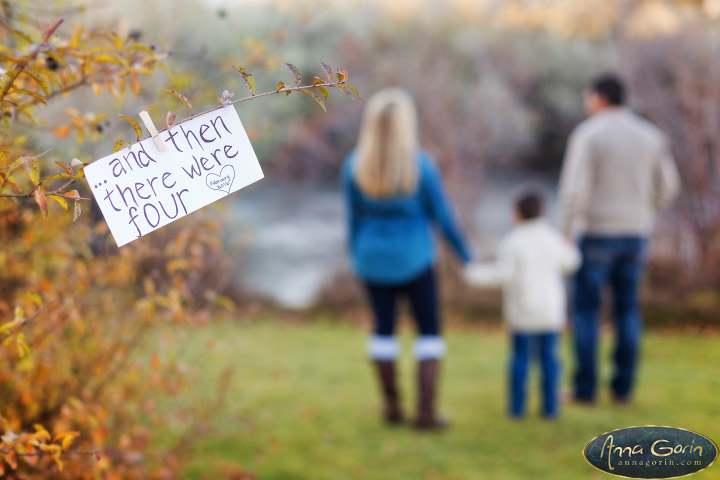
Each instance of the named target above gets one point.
<point>617,262</point>
<point>526,346</point>
<point>421,293</point>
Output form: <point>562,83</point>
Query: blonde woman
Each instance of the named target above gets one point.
<point>394,195</point>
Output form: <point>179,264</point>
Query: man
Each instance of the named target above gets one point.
<point>617,175</point>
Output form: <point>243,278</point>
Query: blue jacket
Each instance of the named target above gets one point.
<point>390,239</point>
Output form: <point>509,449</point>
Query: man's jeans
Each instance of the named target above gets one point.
<point>617,262</point>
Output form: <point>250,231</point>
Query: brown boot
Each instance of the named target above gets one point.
<point>392,412</point>
<point>427,417</point>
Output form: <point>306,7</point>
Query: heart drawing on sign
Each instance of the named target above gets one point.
<point>223,181</point>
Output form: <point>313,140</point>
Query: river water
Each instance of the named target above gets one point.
<point>294,235</point>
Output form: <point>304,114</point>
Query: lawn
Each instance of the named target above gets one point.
<point>303,405</point>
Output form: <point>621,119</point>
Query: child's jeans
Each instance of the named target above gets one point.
<point>527,346</point>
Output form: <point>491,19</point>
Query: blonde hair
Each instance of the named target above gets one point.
<point>386,148</point>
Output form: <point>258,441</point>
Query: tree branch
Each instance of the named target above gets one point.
<point>6,451</point>
<point>57,192</point>
<point>253,96</point>
<point>20,67</point>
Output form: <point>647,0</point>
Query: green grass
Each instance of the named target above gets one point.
<point>304,405</point>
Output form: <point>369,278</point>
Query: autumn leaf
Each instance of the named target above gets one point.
<point>33,170</point>
<point>344,88</point>
<point>11,460</point>
<point>41,200</point>
<point>58,177</point>
<point>62,131</point>
<point>73,194</point>
<point>297,76</point>
<point>119,145</point>
<point>328,71</point>
<point>224,99</point>
<point>66,438</point>
<point>180,97</point>
<point>29,93</point>
<point>41,433</point>
<point>19,162</point>
<point>342,75</point>
<point>249,80</point>
<point>35,74</point>
<point>280,86</point>
<point>135,125</point>
<point>170,119</point>
<point>77,210</point>
<point>65,167</point>
<point>324,91</point>
<point>58,462</point>
<point>354,90</point>
<point>63,203</point>
<point>315,97</point>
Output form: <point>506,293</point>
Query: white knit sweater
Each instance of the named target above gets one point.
<point>532,262</point>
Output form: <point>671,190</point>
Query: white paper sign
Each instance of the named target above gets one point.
<point>140,189</point>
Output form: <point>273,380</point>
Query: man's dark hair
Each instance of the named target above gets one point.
<point>529,205</point>
<point>610,87</point>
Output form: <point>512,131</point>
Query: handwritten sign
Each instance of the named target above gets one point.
<point>140,189</point>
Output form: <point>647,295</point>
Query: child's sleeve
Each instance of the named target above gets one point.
<point>491,274</point>
<point>570,257</point>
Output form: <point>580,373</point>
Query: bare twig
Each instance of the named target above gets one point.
<point>254,96</point>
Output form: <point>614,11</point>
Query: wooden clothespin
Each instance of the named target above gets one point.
<point>145,117</point>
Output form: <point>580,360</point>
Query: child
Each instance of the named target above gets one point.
<point>532,261</point>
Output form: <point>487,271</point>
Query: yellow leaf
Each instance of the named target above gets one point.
<point>41,433</point>
<point>315,97</point>
<point>144,48</point>
<point>58,176</point>
<point>106,58</point>
<point>354,90</point>
<point>135,125</point>
<point>177,264</point>
<point>249,80</point>
<point>37,76</point>
<point>67,438</point>
<point>180,97</point>
<point>323,90</point>
<point>76,211</point>
<point>119,145</point>
<point>34,171</point>
<point>32,94</point>
<point>58,462</point>
<point>63,203</point>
